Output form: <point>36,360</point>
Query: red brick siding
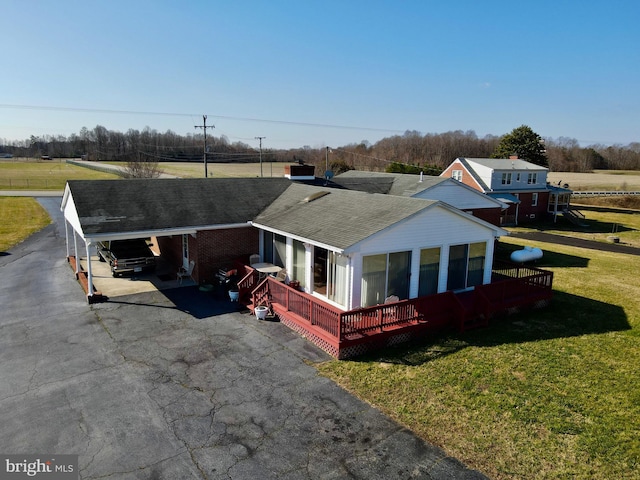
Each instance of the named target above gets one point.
<point>491,215</point>
<point>220,248</point>
<point>525,209</point>
<point>467,178</point>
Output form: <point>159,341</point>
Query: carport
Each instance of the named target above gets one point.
<point>192,218</point>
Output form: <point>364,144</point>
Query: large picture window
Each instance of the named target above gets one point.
<point>385,275</point>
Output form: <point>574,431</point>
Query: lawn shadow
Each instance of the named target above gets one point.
<point>567,316</point>
<point>549,258</point>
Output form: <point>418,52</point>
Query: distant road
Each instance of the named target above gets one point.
<point>31,193</point>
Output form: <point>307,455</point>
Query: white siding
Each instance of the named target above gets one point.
<point>483,172</point>
<point>437,227</point>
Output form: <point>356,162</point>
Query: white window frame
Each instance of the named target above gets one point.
<point>506,178</point>
<point>534,199</point>
<point>457,175</point>
<point>532,178</point>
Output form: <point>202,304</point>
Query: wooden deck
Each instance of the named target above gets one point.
<point>345,334</point>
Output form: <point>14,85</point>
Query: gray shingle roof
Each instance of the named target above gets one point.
<point>120,206</point>
<point>340,218</point>
<point>382,182</point>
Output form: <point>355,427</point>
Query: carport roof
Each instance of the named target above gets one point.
<point>107,207</point>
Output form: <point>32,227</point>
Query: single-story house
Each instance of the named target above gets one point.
<point>362,268</point>
<point>353,248</point>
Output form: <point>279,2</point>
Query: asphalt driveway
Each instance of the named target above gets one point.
<point>176,385</point>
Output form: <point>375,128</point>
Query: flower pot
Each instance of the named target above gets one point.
<point>234,295</point>
<point>261,312</point>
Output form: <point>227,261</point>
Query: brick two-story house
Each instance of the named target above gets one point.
<point>520,184</point>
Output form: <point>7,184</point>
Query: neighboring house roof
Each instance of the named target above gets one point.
<point>505,163</point>
<point>407,185</point>
<point>138,205</point>
<point>504,197</point>
<point>469,168</point>
<point>381,182</point>
<point>342,218</point>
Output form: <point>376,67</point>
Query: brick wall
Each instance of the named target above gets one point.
<point>221,248</point>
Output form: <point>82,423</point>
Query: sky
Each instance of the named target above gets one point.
<point>322,72</point>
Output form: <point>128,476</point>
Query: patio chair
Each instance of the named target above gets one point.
<point>255,258</point>
<point>186,272</point>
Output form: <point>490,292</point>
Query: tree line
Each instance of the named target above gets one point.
<point>431,151</point>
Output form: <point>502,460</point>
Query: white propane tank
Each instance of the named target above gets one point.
<point>526,255</point>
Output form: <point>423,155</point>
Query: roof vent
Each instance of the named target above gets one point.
<point>315,196</point>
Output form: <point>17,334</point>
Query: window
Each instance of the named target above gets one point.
<point>466,265</point>
<point>517,177</point>
<point>384,275</point>
<point>534,199</point>
<point>457,175</point>
<point>532,178</point>
<point>506,178</point>
<point>429,271</point>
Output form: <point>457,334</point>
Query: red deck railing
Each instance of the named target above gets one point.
<point>513,286</point>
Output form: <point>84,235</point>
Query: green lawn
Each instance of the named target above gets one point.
<point>550,393</point>
<point>44,175</point>
<point>19,218</point>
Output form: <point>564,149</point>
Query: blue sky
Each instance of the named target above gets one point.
<point>322,73</point>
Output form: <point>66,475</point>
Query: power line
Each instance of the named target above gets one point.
<point>174,114</point>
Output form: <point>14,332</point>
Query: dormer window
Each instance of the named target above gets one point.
<point>506,178</point>
<point>457,175</point>
<point>532,178</point>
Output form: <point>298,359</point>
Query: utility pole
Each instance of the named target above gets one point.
<point>204,126</point>
<point>260,138</point>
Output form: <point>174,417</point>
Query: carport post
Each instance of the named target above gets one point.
<point>89,276</point>
<point>75,252</point>
<point>66,236</point>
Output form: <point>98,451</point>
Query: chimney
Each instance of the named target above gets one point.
<point>513,157</point>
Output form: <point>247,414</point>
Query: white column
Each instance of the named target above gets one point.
<point>75,252</point>
<point>66,236</point>
<point>443,276</point>
<point>488,263</point>
<point>89,275</point>
<point>414,280</point>
<point>308,267</point>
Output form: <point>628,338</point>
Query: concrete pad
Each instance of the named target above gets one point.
<point>163,278</point>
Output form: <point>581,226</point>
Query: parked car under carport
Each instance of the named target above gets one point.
<point>127,256</point>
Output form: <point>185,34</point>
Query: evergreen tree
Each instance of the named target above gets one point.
<point>525,143</point>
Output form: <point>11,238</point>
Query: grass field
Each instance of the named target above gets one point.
<point>598,180</point>
<point>220,170</point>
<point>44,175</point>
